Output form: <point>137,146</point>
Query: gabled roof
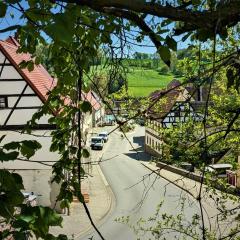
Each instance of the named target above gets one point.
<point>170,99</point>
<point>39,79</point>
<point>92,99</point>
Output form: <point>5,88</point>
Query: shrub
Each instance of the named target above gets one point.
<point>163,70</point>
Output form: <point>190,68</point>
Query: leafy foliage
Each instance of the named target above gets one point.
<point>73,32</point>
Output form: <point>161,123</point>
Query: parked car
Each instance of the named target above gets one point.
<point>97,143</point>
<point>220,169</point>
<point>104,136</point>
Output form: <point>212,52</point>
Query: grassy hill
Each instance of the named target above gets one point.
<point>141,82</point>
<point>143,76</point>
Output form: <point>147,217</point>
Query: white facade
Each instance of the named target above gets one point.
<point>18,102</point>
<point>180,112</point>
<point>36,176</point>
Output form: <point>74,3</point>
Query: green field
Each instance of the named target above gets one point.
<point>142,82</point>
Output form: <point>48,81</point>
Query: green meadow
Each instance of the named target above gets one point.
<point>141,82</point>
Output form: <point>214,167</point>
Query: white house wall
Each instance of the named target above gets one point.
<point>2,58</point>
<point>9,72</point>
<point>44,154</point>
<point>29,90</point>
<point>3,115</point>
<point>36,177</point>
<point>39,182</point>
<point>11,87</point>
<point>21,116</point>
<point>27,101</point>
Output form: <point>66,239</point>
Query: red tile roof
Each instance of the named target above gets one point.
<point>39,79</point>
<point>91,98</point>
<point>159,112</point>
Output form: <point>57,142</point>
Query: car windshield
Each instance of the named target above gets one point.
<point>96,140</point>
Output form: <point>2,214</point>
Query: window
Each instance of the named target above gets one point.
<point>3,102</point>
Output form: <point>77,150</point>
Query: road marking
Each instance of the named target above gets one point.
<point>100,171</point>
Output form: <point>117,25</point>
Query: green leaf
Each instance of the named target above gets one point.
<point>165,54</point>
<point>30,66</point>
<point>18,180</point>
<point>14,198</point>
<point>86,19</point>
<point>86,107</point>
<point>6,211</point>
<point>196,2</point>
<point>61,30</point>
<point>27,218</point>
<point>85,153</point>
<point>11,145</point>
<point>44,217</point>
<point>29,147</point>
<point>171,43</point>
<point>3,9</point>
<point>8,156</point>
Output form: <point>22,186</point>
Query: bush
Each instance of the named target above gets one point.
<point>163,70</point>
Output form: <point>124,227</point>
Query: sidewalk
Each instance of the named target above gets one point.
<point>184,183</point>
<point>99,205</point>
<point>192,187</point>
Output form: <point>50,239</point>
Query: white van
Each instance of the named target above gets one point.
<point>104,136</point>
<point>97,143</point>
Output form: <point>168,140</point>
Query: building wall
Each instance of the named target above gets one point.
<point>20,96</point>
<point>22,103</point>
<point>39,182</point>
<point>153,142</point>
<point>36,177</point>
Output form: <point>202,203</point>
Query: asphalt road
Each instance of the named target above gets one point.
<point>137,192</point>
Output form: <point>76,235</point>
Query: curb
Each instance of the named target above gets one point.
<point>109,193</point>
<point>109,208</point>
<point>101,173</point>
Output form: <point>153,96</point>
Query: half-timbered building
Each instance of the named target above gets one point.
<point>174,109</point>
<point>21,94</point>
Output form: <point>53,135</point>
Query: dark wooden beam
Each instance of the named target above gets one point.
<point>21,127</point>
<point>17,108</point>
<point>12,80</point>
<point>17,95</point>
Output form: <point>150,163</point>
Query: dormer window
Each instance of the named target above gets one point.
<point>3,102</point>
